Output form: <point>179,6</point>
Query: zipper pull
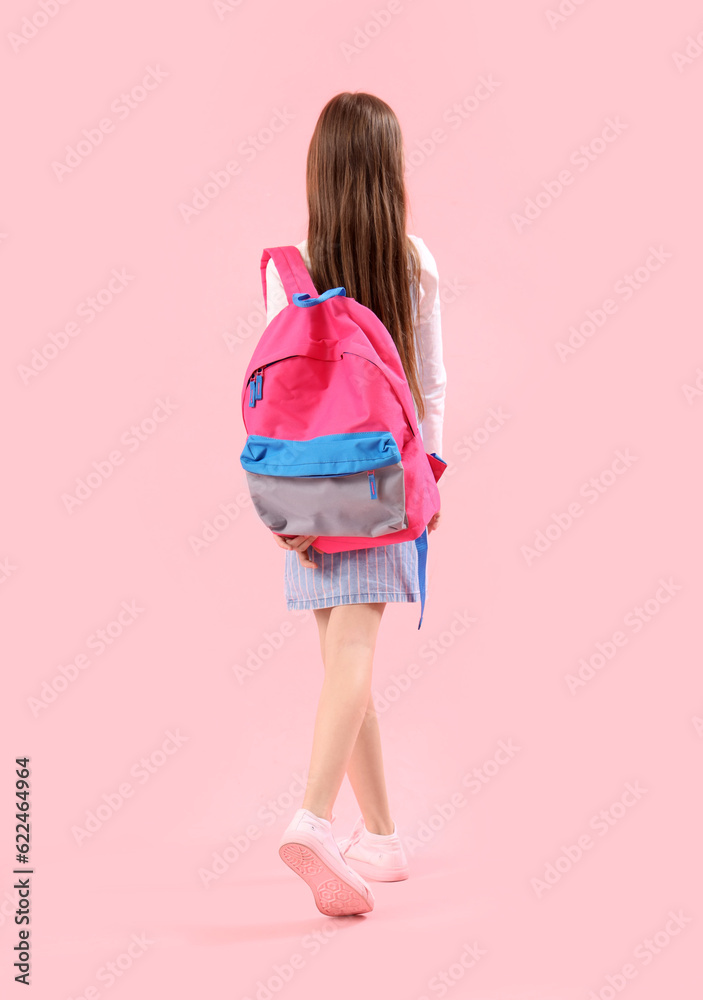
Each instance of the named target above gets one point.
<point>252,393</point>
<point>259,383</point>
<point>372,486</point>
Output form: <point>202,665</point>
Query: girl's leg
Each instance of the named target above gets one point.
<point>350,640</point>
<point>365,772</point>
<point>365,765</point>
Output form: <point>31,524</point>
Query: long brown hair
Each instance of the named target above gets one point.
<point>357,207</point>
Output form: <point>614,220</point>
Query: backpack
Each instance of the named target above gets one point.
<point>333,447</point>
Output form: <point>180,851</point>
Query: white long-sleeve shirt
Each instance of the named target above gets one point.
<point>433,376</point>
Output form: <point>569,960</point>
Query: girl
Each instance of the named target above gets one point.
<point>356,239</point>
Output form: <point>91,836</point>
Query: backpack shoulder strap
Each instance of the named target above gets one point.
<point>291,267</point>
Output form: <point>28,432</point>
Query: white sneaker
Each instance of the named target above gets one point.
<point>374,855</point>
<point>309,848</point>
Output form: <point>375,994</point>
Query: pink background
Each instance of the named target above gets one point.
<point>180,328</point>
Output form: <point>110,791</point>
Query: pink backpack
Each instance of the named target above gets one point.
<point>333,448</point>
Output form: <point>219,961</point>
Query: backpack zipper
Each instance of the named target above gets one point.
<point>256,384</point>
<point>372,485</point>
<point>256,379</point>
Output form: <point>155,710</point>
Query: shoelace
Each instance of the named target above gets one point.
<point>356,834</point>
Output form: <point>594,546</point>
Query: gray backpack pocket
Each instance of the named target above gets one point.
<point>336,484</point>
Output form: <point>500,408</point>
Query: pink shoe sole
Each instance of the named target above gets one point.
<point>334,896</point>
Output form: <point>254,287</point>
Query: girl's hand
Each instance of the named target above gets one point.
<point>433,522</point>
<point>299,544</point>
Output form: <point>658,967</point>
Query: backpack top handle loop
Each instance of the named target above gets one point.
<point>303,299</point>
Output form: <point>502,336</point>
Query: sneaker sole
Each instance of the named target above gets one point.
<point>334,896</point>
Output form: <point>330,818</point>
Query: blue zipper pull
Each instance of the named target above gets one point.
<point>372,486</point>
<point>252,393</point>
<point>259,383</point>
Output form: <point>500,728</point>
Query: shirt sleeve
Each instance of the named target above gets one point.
<point>433,376</point>
<point>275,293</point>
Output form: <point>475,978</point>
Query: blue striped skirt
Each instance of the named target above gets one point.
<point>357,576</point>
